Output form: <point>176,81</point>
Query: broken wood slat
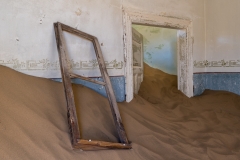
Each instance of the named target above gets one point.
<point>72,75</point>
<point>66,76</point>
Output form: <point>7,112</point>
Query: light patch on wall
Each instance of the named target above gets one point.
<point>42,16</point>
<point>78,12</point>
<point>160,47</point>
<point>223,40</point>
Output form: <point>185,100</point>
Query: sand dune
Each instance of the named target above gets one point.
<point>161,122</point>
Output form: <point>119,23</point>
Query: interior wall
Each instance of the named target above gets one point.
<point>222,62</point>
<point>27,40</point>
<point>159,47</point>
<point>222,36</point>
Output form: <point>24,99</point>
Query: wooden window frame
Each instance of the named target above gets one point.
<point>77,142</point>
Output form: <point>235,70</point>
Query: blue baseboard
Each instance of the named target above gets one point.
<point>118,84</point>
<point>199,84</point>
<point>216,81</point>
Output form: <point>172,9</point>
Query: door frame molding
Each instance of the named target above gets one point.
<point>132,16</point>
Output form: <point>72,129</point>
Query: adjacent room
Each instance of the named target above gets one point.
<point>154,55</point>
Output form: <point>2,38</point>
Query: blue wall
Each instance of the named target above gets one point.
<point>216,81</point>
<point>201,81</point>
<point>118,84</point>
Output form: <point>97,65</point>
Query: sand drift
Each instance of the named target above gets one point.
<point>161,122</point>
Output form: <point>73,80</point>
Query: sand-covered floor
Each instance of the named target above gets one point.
<point>161,122</point>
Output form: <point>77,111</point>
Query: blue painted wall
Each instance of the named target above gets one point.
<point>160,47</point>
<point>216,81</point>
<point>118,84</point>
<point>199,83</point>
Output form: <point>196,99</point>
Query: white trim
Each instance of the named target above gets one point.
<point>131,16</point>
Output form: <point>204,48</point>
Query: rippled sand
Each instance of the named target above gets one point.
<point>160,122</point>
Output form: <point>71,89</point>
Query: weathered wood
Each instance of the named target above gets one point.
<point>72,75</point>
<point>111,97</point>
<point>76,32</point>
<point>100,145</point>
<point>72,116</point>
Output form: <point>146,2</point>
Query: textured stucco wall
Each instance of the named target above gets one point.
<point>160,47</point>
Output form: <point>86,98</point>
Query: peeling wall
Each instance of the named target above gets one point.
<point>27,41</point>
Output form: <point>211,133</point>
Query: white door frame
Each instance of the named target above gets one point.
<point>131,16</point>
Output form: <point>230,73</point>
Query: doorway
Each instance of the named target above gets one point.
<point>153,47</point>
<point>184,49</point>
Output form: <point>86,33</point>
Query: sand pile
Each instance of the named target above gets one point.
<point>167,125</point>
<point>157,86</point>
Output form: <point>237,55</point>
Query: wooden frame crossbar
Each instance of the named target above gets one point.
<point>77,142</point>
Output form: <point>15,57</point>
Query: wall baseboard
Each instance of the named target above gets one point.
<point>118,84</point>
<point>226,81</point>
